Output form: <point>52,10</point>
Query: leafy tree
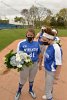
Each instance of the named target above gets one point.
<point>62,17</point>
<point>19,19</point>
<point>53,21</point>
<point>4,21</point>
<point>63,13</point>
<point>47,20</point>
<point>60,21</point>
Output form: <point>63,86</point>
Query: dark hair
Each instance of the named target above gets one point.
<point>45,30</point>
<point>49,31</point>
<point>31,30</point>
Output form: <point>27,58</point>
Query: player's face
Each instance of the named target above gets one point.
<point>30,36</point>
<point>46,40</point>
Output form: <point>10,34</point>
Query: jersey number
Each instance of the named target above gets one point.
<point>32,55</point>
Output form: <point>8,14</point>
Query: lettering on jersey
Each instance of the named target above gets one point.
<point>24,46</point>
<point>31,49</point>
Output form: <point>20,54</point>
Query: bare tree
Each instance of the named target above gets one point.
<point>35,14</point>
<point>25,13</point>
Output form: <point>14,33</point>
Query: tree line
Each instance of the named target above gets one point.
<point>4,21</point>
<point>38,16</point>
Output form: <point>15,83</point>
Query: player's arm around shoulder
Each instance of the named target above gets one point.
<point>39,56</point>
<point>37,36</point>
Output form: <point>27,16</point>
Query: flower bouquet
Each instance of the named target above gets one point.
<point>17,60</point>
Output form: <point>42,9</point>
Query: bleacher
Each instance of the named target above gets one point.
<point>9,26</point>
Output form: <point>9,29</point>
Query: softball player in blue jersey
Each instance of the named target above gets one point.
<point>31,48</point>
<point>52,64</point>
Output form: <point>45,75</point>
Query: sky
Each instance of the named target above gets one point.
<point>13,7</point>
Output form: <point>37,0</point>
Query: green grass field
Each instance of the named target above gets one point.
<point>10,35</point>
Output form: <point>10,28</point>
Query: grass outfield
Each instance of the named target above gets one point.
<point>10,35</point>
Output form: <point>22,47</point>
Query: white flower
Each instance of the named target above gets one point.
<point>13,61</point>
<point>19,66</point>
<point>22,62</point>
<point>13,58</point>
<point>18,58</point>
<point>27,60</point>
<point>22,55</point>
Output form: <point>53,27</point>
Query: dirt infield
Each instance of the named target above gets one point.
<point>9,81</point>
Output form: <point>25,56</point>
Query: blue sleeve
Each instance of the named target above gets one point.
<point>19,47</point>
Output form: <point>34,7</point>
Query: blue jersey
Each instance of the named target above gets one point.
<point>40,42</point>
<point>57,39</point>
<point>31,48</point>
<point>53,57</point>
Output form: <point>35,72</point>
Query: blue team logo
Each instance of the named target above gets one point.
<point>24,46</point>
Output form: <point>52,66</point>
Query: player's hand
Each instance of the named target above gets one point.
<point>41,40</point>
<point>56,79</point>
